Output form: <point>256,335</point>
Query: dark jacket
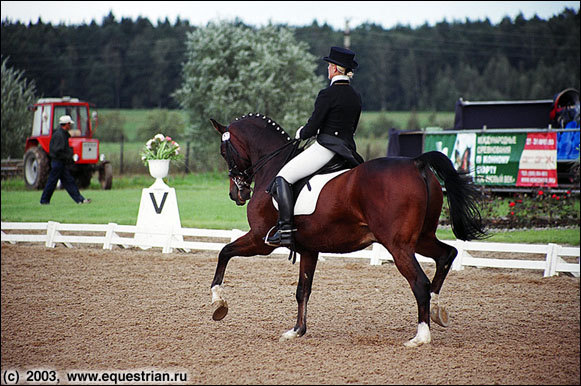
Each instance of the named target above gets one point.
<point>59,148</point>
<point>335,119</point>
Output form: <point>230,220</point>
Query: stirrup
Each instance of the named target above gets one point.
<point>279,244</point>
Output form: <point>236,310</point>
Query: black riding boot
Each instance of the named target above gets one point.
<point>282,193</point>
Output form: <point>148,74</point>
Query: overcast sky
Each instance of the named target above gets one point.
<point>294,13</point>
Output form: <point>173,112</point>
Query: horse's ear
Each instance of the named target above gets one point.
<point>221,129</point>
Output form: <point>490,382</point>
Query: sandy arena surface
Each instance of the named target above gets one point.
<point>87,309</point>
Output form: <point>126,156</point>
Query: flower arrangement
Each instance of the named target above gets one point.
<point>160,147</point>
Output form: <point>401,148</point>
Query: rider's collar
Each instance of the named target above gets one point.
<point>339,77</point>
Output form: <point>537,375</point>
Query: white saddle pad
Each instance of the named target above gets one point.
<point>307,200</point>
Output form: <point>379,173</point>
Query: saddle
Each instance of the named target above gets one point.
<point>306,190</point>
<point>336,164</point>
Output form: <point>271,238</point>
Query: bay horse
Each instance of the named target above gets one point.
<point>395,201</point>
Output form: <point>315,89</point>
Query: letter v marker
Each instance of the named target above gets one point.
<point>160,208</point>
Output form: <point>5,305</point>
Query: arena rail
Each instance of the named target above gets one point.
<point>109,235</point>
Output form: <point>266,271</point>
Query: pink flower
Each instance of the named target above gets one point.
<point>541,193</point>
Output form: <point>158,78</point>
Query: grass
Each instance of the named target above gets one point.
<point>203,202</point>
<point>134,119</point>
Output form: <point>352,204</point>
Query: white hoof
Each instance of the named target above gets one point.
<point>290,334</point>
<point>422,337</point>
<point>439,315</point>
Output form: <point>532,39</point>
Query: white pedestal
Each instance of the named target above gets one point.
<point>158,217</point>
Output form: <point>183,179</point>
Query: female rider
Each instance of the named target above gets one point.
<point>333,121</point>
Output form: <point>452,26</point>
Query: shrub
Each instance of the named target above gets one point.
<point>542,209</point>
<point>171,123</point>
<point>17,94</point>
<point>110,127</point>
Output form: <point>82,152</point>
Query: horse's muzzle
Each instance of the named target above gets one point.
<point>239,196</point>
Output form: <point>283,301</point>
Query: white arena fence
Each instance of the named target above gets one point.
<point>556,258</point>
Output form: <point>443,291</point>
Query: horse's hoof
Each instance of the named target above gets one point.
<point>439,316</point>
<point>414,343</point>
<point>220,309</point>
<point>411,343</point>
<point>422,337</point>
<point>290,334</point>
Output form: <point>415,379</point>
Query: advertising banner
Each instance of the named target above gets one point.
<point>511,159</point>
<point>538,161</point>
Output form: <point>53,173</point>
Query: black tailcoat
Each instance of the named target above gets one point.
<point>335,119</point>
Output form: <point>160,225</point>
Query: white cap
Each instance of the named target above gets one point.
<point>66,119</point>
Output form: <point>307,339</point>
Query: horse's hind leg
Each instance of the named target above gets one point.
<point>444,256</point>
<point>307,271</point>
<point>408,266</point>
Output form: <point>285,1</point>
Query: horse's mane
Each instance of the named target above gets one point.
<point>263,121</point>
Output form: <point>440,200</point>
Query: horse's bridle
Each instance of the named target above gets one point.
<point>243,179</point>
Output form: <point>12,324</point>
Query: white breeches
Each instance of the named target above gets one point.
<point>309,161</point>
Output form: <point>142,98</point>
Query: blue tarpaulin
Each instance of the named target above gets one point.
<point>567,146</point>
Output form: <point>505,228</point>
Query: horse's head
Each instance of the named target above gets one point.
<point>249,145</point>
<point>238,163</point>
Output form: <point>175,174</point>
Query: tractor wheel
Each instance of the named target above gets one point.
<point>36,168</point>
<point>82,175</point>
<point>106,176</point>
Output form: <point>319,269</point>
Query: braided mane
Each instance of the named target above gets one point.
<point>267,123</point>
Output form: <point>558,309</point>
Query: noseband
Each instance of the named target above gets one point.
<point>243,179</point>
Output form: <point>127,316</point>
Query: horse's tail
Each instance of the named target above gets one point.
<point>462,196</point>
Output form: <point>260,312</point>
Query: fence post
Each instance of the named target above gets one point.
<point>167,248</point>
<point>378,252</point>
<point>50,232</point>
<point>121,154</point>
<point>187,165</point>
<point>551,261</point>
<point>109,235</point>
<point>457,264</point>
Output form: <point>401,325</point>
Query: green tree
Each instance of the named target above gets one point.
<point>17,94</point>
<point>232,70</point>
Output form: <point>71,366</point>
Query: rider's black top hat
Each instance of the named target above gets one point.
<point>342,57</point>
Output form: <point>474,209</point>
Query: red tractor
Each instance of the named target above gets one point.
<point>86,149</point>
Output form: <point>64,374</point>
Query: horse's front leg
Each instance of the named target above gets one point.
<point>247,245</point>
<point>307,271</point>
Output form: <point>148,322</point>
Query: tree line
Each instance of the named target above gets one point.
<point>135,64</point>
